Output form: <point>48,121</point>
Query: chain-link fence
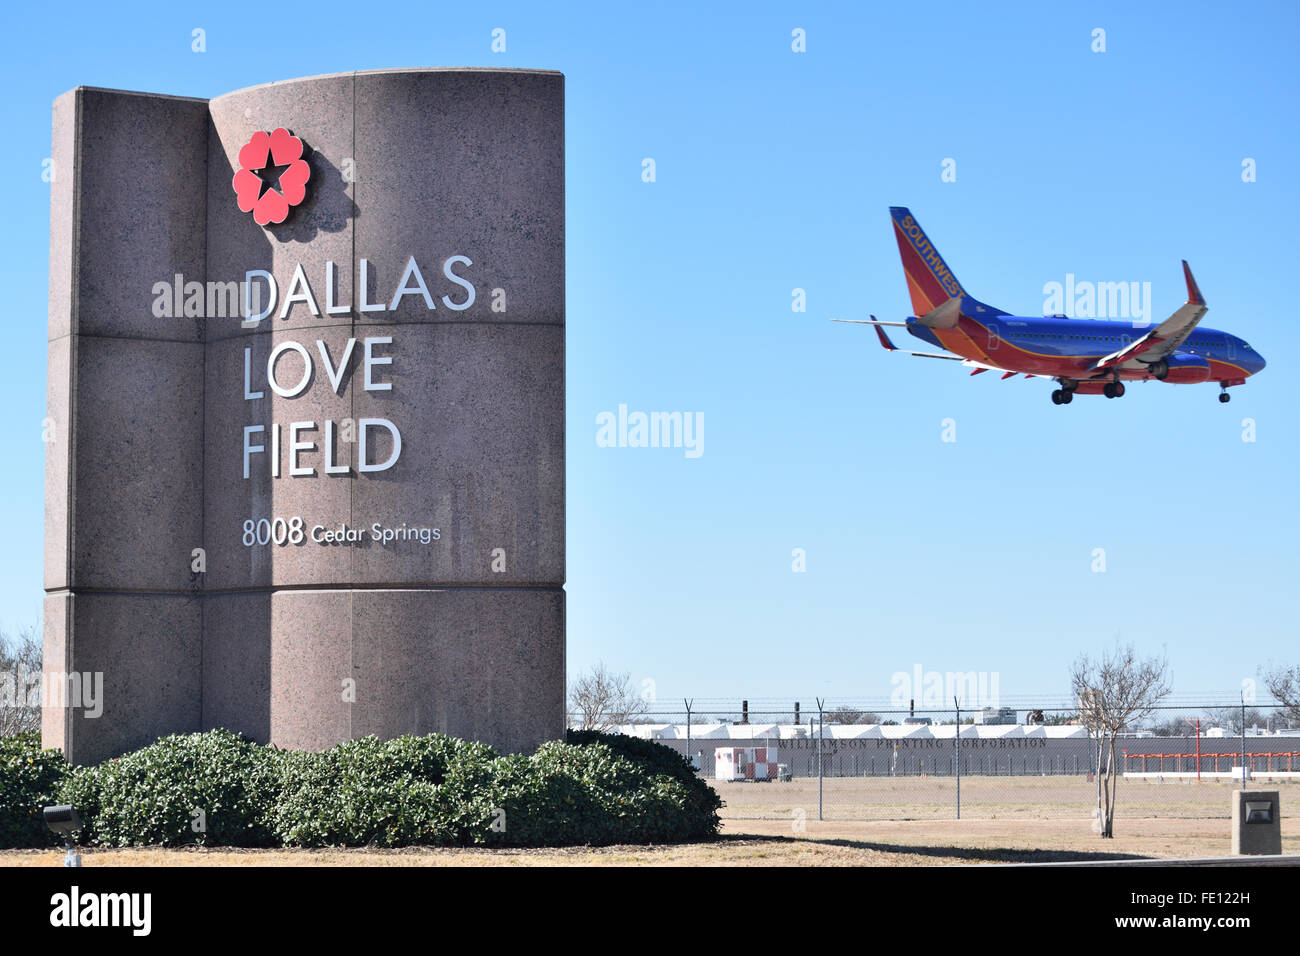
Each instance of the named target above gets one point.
<point>851,763</point>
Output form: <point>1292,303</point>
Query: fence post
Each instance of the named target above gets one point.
<point>956,743</point>
<point>690,756</point>
<point>821,730</point>
<point>1243,740</point>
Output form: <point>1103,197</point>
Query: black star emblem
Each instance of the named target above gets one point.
<point>270,176</point>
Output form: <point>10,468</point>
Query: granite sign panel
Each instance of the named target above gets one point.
<point>306,383</point>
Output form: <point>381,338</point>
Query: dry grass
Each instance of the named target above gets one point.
<point>1019,798</point>
<point>754,843</point>
<point>1028,819</point>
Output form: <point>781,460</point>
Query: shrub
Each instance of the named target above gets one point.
<point>589,794</point>
<point>30,779</point>
<point>439,791</point>
<point>434,790</point>
<point>215,788</point>
<point>385,793</point>
<point>703,801</point>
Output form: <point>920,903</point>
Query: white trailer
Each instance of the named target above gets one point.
<point>745,763</point>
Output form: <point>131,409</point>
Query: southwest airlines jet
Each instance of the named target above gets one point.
<point>1088,356</point>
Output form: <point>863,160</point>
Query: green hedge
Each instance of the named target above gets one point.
<point>219,789</point>
<point>439,791</point>
<point>702,800</point>
<point>410,790</point>
<point>215,788</point>
<point>30,779</point>
<point>588,793</point>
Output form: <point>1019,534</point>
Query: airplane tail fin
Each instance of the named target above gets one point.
<point>929,280</point>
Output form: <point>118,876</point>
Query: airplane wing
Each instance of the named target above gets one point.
<point>976,367</point>
<point>1165,337</point>
<point>872,321</point>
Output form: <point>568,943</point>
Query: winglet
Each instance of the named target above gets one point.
<point>1193,291</point>
<point>884,339</point>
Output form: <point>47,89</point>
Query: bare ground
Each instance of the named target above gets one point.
<point>1020,798</point>
<point>1004,820</point>
<point>752,843</point>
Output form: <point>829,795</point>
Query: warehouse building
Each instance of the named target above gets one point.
<point>992,749</point>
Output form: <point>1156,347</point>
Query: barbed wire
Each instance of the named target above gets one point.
<point>880,705</point>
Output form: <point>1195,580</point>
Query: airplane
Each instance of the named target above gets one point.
<point>1084,356</point>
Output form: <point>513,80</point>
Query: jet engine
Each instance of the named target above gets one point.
<point>1181,368</point>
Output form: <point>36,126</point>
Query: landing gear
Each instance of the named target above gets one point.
<point>1225,397</point>
<point>1113,390</point>
<point>1065,394</point>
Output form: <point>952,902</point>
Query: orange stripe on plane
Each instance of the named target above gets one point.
<point>927,292</point>
<point>1218,373</point>
<point>920,304</point>
<point>957,341</point>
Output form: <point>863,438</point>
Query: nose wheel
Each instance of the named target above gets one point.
<point>1224,397</point>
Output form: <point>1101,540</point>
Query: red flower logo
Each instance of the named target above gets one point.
<point>272,178</point>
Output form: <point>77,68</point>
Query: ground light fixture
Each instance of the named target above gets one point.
<point>65,821</point>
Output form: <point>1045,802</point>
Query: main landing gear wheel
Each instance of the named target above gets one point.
<point>1225,397</point>
<point>1062,396</point>
<point>1113,389</point>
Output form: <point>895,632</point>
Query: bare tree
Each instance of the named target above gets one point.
<point>1057,719</point>
<point>1174,727</point>
<point>1284,684</point>
<point>847,715</point>
<point>1115,693</point>
<point>1229,718</point>
<point>20,681</point>
<point>602,701</point>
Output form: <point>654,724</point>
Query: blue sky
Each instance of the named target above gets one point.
<point>775,171</point>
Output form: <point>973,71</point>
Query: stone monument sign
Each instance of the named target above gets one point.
<point>305,444</point>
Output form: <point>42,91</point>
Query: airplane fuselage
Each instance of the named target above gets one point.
<point>1066,348</point>
<point>1088,356</point>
